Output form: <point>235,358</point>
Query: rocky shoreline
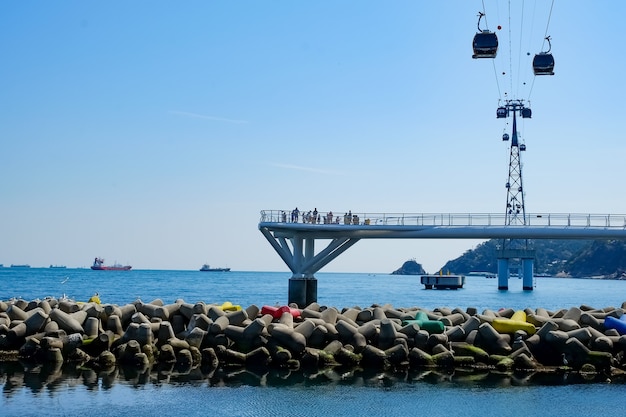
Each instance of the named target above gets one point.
<point>584,340</point>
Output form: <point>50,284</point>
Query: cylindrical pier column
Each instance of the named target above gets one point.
<point>297,291</point>
<point>527,268</point>
<point>311,291</point>
<point>503,274</point>
<point>302,291</point>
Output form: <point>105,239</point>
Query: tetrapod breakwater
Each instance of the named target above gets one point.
<point>584,339</point>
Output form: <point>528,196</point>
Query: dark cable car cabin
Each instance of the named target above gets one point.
<point>485,45</point>
<point>485,42</point>
<point>501,113</point>
<point>522,147</point>
<point>526,113</point>
<point>505,137</point>
<point>543,62</point>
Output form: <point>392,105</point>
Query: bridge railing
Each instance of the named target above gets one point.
<point>448,219</point>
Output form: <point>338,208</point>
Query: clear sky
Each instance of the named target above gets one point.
<point>153,132</point>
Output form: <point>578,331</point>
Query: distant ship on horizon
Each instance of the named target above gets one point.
<point>98,265</point>
<point>207,268</point>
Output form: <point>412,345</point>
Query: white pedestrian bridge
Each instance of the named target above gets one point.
<point>295,241</point>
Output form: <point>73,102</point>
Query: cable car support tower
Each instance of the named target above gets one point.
<point>515,252</point>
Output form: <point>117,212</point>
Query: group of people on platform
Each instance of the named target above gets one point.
<point>315,217</point>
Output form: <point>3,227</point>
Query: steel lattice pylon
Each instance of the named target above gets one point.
<point>515,208</point>
<point>515,249</point>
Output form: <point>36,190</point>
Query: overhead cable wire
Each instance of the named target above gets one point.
<point>485,15</point>
<point>510,54</point>
<point>532,84</point>
<point>545,35</point>
<point>495,71</point>
<point>528,48</point>
<point>542,44</point>
<point>519,58</point>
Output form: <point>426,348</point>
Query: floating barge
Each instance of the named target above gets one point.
<point>443,282</point>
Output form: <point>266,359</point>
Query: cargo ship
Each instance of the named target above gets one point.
<point>207,268</point>
<point>98,265</point>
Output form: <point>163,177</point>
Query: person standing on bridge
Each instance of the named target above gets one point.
<point>294,215</point>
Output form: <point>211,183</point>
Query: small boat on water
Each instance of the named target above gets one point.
<point>207,268</point>
<point>20,266</point>
<point>443,282</point>
<point>98,265</point>
<point>58,266</point>
<point>481,274</point>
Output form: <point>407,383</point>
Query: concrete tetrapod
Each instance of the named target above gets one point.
<point>379,337</point>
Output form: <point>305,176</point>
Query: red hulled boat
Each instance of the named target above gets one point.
<point>98,265</point>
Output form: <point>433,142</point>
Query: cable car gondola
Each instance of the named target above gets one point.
<point>485,42</point>
<point>543,62</point>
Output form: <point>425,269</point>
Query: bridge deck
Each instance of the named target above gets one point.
<point>451,226</point>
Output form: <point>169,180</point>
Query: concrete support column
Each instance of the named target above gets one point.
<point>302,291</point>
<point>311,291</point>
<point>503,274</point>
<point>527,278</point>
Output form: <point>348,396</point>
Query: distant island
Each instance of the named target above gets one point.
<point>604,259</point>
<point>410,267</point>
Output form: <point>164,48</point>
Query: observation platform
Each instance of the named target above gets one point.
<point>295,241</point>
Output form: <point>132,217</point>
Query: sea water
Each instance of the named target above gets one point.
<point>57,392</point>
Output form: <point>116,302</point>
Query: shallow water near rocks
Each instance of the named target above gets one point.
<point>56,392</point>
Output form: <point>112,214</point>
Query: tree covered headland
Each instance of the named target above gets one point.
<point>575,258</point>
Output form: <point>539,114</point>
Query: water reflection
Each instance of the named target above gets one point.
<point>53,378</point>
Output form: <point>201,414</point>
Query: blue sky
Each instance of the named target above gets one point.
<point>154,132</point>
